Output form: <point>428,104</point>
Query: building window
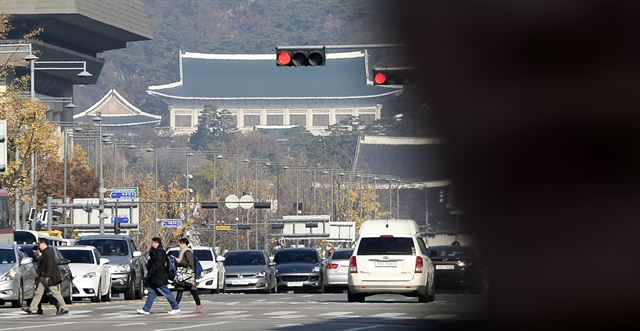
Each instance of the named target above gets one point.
<point>251,120</point>
<point>297,119</point>
<point>367,118</point>
<point>321,120</point>
<point>274,119</point>
<point>342,117</point>
<point>183,121</point>
<point>233,119</point>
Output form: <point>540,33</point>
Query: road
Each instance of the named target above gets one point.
<point>284,311</point>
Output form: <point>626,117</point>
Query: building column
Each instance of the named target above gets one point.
<point>240,118</point>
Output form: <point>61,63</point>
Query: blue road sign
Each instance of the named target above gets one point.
<point>124,193</point>
<point>171,223</point>
<point>120,220</point>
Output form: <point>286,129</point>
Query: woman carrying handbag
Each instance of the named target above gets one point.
<point>185,279</point>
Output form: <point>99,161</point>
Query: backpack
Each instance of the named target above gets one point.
<point>172,267</point>
<point>198,267</point>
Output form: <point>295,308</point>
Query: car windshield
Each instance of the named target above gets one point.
<point>243,259</point>
<point>296,256</point>
<point>108,247</point>
<point>7,256</point>
<point>342,255</point>
<point>78,256</point>
<point>386,246</point>
<point>452,252</point>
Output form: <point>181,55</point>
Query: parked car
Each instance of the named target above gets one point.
<point>249,271</point>
<point>456,267</point>
<point>336,270</point>
<point>92,277</point>
<point>126,265</point>
<point>298,269</point>
<point>66,286</point>
<point>213,272</point>
<point>17,276</point>
<point>390,257</point>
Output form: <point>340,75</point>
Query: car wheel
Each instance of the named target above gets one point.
<point>106,297</point>
<point>355,297</point>
<point>140,292</point>
<point>18,303</point>
<point>131,291</point>
<point>98,293</point>
<point>69,299</point>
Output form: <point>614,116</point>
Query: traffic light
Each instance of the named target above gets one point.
<point>393,76</point>
<point>208,205</point>
<point>3,147</point>
<point>297,56</point>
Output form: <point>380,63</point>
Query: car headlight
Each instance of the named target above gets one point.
<point>120,268</point>
<point>261,274</point>
<point>207,271</point>
<point>316,269</point>
<point>9,275</point>
<point>89,275</point>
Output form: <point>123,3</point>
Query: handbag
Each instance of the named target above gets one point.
<point>184,276</point>
<point>44,281</point>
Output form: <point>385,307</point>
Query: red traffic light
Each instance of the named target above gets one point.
<point>284,58</point>
<point>379,78</point>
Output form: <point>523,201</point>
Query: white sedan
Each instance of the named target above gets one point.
<point>91,276</point>
<point>212,278</point>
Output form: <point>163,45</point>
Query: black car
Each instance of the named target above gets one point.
<point>126,264</point>
<point>66,286</point>
<point>456,267</point>
<point>298,269</point>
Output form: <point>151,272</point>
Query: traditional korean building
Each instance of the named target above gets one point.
<point>117,112</point>
<point>260,94</point>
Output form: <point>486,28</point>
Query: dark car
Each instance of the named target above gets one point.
<point>249,271</point>
<point>298,269</point>
<point>456,267</point>
<point>126,264</point>
<point>65,287</point>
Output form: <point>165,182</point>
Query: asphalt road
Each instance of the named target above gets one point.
<point>262,312</point>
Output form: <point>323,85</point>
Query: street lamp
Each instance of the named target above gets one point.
<point>101,190</point>
<point>188,155</point>
<point>155,181</point>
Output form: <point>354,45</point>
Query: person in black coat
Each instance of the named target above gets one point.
<point>37,253</point>
<point>49,277</point>
<point>158,278</point>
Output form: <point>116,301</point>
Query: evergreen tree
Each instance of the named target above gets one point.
<point>215,127</point>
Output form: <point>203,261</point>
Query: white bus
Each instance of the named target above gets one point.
<point>22,237</point>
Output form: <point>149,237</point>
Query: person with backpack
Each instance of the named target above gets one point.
<point>158,278</point>
<point>186,275</point>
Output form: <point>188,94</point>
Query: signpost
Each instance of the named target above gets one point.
<point>120,220</point>
<point>223,227</point>
<point>129,193</point>
<point>171,223</point>
<point>231,201</point>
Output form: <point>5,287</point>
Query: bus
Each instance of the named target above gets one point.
<point>6,228</point>
<point>22,237</point>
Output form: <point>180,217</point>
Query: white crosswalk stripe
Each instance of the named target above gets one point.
<point>279,313</point>
<point>388,315</point>
<point>229,312</point>
<point>336,313</point>
<point>184,314</point>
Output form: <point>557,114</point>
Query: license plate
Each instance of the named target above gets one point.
<point>386,263</point>
<point>240,282</point>
<point>294,284</point>
<point>445,267</point>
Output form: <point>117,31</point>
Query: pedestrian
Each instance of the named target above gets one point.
<point>157,279</point>
<point>37,253</point>
<point>48,278</point>
<point>186,259</point>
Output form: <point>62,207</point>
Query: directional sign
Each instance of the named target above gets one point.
<point>124,193</point>
<point>223,227</point>
<point>172,223</point>
<point>120,220</point>
<point>231,201</point>
<point>246,202</point>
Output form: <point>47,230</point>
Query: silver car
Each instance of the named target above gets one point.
<point>336,270</point>
<point>17,276</point>
<point>249,271</point>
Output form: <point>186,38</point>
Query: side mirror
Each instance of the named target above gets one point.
<point>63,262</point>
<point>137,254</point>
<point>272,264</point>
<point>26,260</point>
<point>104,261</point>
<point>220,258</point>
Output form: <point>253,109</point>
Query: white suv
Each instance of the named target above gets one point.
<point>212,278</point>
<point>390,257</point>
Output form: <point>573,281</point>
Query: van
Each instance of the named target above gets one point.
<point>390,257</point>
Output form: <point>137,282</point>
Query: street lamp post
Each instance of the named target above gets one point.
<point>155,179</point>
<point>188,155</point>
<point>101,189</point>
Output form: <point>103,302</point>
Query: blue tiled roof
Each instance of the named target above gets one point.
<point>213,76</point>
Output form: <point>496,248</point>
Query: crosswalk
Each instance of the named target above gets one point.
<point>230,314</point>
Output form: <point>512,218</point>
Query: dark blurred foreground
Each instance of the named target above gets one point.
<point>540,103</point>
